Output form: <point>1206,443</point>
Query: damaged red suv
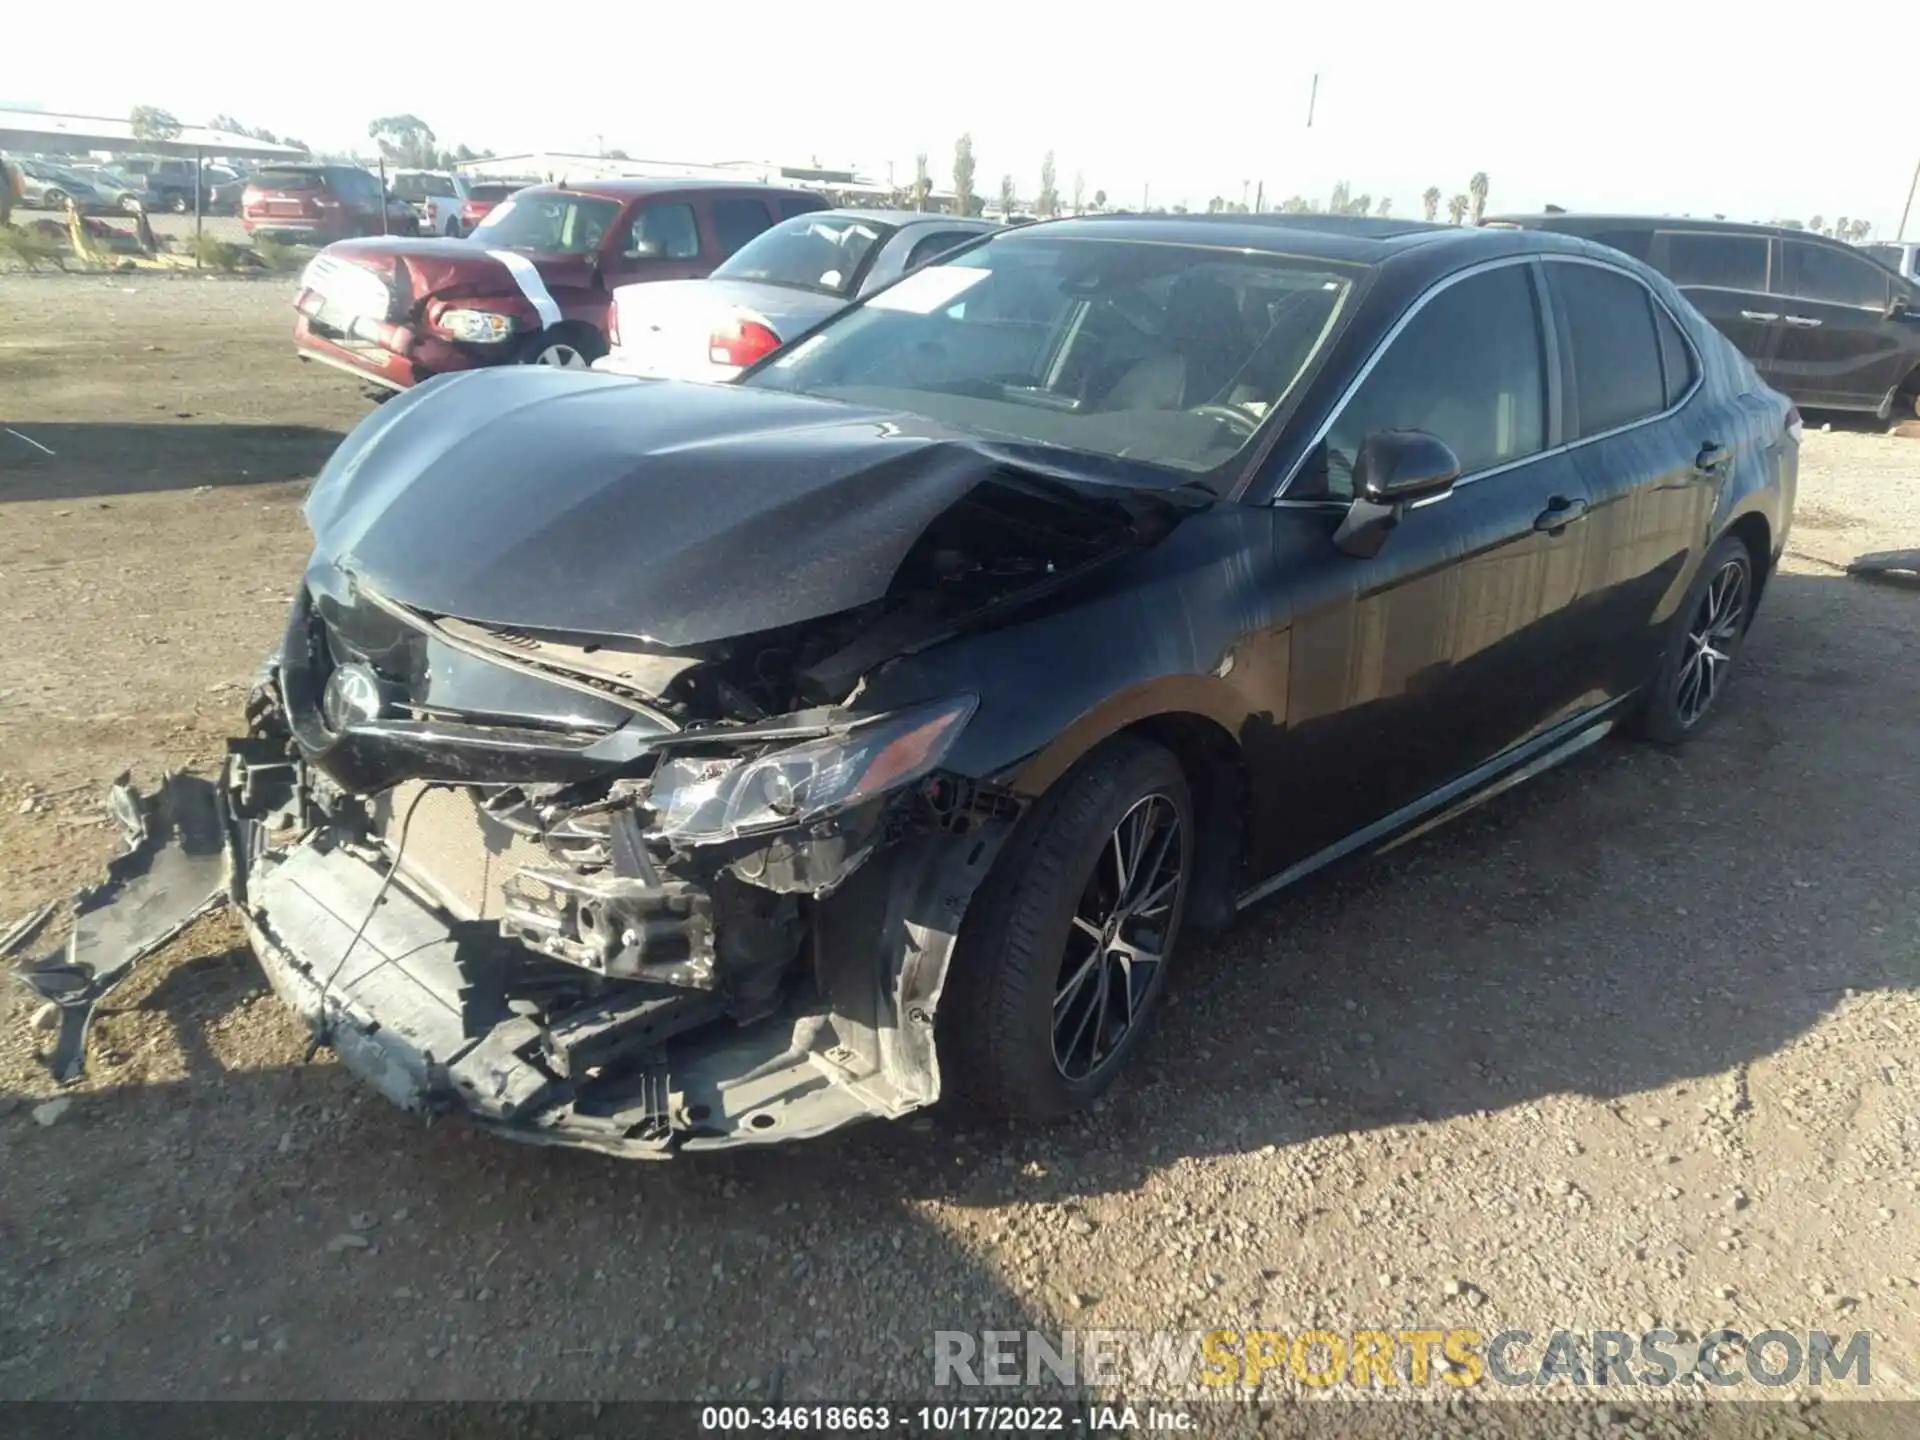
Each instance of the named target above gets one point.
<point>532,284</point>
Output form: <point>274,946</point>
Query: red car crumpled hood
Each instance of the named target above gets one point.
<point>444,269</point>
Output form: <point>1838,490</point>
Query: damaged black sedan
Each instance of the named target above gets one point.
<point>651,766</point>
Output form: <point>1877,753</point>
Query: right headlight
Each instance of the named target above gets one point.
<point>477,327</point>
<point>707,798</point>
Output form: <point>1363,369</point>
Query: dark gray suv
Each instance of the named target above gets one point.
<point>1821,321</point>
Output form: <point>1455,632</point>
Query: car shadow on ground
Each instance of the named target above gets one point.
<point>1634,920</point>
<point>42,460</point>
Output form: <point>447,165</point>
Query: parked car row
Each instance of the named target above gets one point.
<point>652,765</point>
<point>532,284</point>
<point>1831,325</point>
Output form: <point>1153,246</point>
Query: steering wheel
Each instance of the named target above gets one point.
<point>1242,422</point>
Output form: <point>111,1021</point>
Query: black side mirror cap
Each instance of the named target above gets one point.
<point>1395,466</point>
<point>1393,470</point>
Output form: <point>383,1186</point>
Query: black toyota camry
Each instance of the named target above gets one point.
<point>651,766</point>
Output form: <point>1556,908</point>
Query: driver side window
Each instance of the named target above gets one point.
<point>1468,368</point>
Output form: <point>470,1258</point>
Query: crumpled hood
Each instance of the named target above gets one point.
<point>453,269</point>
<point>677,514</point>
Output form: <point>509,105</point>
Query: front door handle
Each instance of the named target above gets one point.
<point>1711,457</point>
<point>1765,317</point>
<point>1802,322</point>
<point>1560,513</point>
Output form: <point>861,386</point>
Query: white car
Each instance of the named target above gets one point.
<point>435,195</point>
<point>782,282</point>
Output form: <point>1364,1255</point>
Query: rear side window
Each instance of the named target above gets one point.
<point>1676,357</point>
<point>1727,262</point>
<point>1617,376</point>
<point>799,205</point>
<point>1823,272</point>
<point>932,247</point>
<point>1467,368</point>
<point>735,222</point>
<point>663,232</point>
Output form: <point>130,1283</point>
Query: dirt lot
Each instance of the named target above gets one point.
<point>1635,1043</point>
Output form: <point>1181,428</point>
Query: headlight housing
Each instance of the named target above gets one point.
<point>477,327</point>
<point>706,798</point>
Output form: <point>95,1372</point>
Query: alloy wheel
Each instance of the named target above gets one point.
<point>1118,938</point>
<point>1712,634</point>
<point>562,355</point>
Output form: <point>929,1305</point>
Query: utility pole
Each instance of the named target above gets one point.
<point>1313,96</point>
<point>1905,209</point>
<point>1260,199</point>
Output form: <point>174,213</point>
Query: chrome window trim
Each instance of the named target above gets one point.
<point>1446,282</point>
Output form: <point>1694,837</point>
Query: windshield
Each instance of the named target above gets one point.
<point>491,192</point>
<point>270,179</point>
<point>551,223</point>
<point>1167,354</point>
<point>823,253</point>
<point>417,184</point>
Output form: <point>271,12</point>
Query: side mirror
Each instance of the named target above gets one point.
<point>1400,465</point>
<point>1896,307</point>
<point>1394,469</point>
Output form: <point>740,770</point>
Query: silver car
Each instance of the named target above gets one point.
<point>51,186</point>
<point>782,282</point>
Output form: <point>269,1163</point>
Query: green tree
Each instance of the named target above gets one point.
<point>963,175</point>
<point>1007,200</point>
<point>922,185</point>
<point>405,140</point>
<point>1099,199</point>
<point>1477,188</point>
<point>1296,205</point>
<point>1360,205</point>
<point>1047,203</point>
<point>1385,207</point>
<point>1457,208</point>
<point>1079,193</point>
<point>151,123</point>
<point>1818,224</point>
<point>1842,228</point>
<point>1339,198</point>
<point>1430,203</point>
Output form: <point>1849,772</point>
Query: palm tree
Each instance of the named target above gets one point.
<point>1430,202</point>
<point>1457,208</point>
<point>1477,188</point>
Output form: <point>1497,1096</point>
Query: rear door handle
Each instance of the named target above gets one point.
<point>1804,322</point>
<point>1766,317</point>
<point>1560,513</point>
<point>1711,457</point>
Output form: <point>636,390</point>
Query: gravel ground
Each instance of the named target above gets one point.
<point>1634,1044</point>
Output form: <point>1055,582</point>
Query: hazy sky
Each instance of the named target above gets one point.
<point>1675,107</point>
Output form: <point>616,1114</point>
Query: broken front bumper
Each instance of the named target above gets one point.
<point>417,1004</point>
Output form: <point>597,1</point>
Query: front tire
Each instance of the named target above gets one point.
<point>1063,955</point>
<point>565,347</point>
<point>1699,655</point>
<point>180,204</point>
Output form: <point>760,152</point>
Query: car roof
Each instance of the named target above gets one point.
<point>906,217</point>
<point>1350,238</point>
<point>632,189</point>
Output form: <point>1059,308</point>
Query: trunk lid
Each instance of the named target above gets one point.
<point>666,327</point>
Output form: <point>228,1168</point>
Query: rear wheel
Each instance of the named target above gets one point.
<point>1064,952</point>
<point>1707,635</point>
<point>54,199</point>
<point>565,347</point>
<point>180,204</point>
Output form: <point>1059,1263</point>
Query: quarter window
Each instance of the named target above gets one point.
<point>1676,357</point>
<point>1826,272</point>
<point>1467,368</point>
<point>735,222</point>
<point>1725,262</point>
<point>931,247</point>
<point>1617,376</point>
